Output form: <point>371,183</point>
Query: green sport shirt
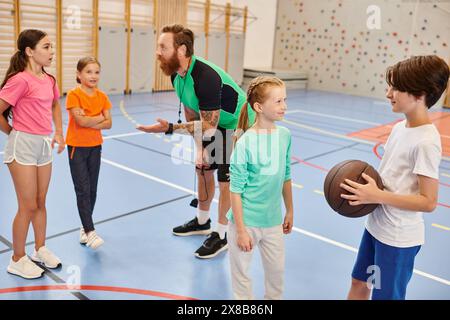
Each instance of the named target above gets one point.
<point>206,87</point>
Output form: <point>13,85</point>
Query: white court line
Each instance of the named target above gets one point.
<point>349,248</point>
<point>150,177</point>
<point>333,117</point>
<point>381,103</point>
<point>307,233</point>
<point>328,133</point>
<point>123,135</point>
<point>147,176</point>
<point>1,152</point>
<point>321,238</point>
<point>432,277</point>
<point>337,135</point>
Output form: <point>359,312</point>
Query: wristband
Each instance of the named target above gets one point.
<point>170,130</point>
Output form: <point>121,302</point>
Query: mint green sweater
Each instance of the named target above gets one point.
<point>260,164</point>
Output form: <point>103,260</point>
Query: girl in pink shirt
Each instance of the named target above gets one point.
<point>29,96</point>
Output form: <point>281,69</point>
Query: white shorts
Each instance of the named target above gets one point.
<point>28,149</point>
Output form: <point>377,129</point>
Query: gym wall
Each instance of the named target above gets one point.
<point>122,34</point>
<point>332,42</point>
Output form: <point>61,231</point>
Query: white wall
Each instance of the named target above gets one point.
<point>260,35</point>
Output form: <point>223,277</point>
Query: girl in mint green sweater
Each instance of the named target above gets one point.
<point>260,176</point>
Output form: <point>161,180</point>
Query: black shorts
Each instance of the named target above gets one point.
<point>219,148</point>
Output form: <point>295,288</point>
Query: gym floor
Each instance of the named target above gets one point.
<point>145,186</point>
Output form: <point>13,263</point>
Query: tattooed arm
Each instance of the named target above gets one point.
<point>190,114</point>
<point>208,123</point>
<point>205,126</point>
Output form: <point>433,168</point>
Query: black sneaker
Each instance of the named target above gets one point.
<point>192,227</point>
<point>212,246</point>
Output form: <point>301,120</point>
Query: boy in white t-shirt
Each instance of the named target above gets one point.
<point>410,171</point>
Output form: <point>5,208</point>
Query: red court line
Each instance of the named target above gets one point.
<point>443,205</point>
<point>380,133</point>
<point>375,149</point>
<point>96,288</point>
<point>382,126</point>
<point>309,164</point>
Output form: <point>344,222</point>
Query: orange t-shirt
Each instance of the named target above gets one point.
<point>78,136</point>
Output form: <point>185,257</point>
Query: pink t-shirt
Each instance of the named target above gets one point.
<point>31,99</point>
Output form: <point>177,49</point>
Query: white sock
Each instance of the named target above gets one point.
<point>221,230</point>
<point>202,216</point>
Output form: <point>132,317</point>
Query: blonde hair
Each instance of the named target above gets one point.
<point>257,91</point>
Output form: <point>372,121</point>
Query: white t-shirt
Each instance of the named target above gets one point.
<point>408,152</point>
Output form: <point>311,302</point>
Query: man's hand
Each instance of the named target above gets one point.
<point>202,159</point>
<point>161,126</point>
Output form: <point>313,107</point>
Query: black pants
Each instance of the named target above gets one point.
<point>220,150</point>
<point>85,167</point>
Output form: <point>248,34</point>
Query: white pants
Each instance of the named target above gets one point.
<point>270,242</point>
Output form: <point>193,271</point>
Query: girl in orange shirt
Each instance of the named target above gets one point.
<point>88,114</point>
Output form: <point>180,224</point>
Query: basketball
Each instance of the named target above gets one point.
<point>353,170</point>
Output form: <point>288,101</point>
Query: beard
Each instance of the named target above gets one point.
<point>169,66</point>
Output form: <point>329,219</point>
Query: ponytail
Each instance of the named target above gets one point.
<point>27,39</point>
<point>17,64</point>
<point>243,122</point>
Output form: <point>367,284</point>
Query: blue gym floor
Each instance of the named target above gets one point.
<point>143,193</point>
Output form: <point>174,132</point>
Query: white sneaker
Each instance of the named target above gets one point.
<point>46,257</point>
<point>83,236</point>
<point>25,268</point>
<point>93,240</point>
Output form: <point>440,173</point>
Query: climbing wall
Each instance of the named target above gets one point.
<point>343,48</point>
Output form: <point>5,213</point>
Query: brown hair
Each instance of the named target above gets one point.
<point>257,92</point>
<point>420,75</point>
<point>27,39</point>
<point>181,36</point>
<point>83,62</point>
